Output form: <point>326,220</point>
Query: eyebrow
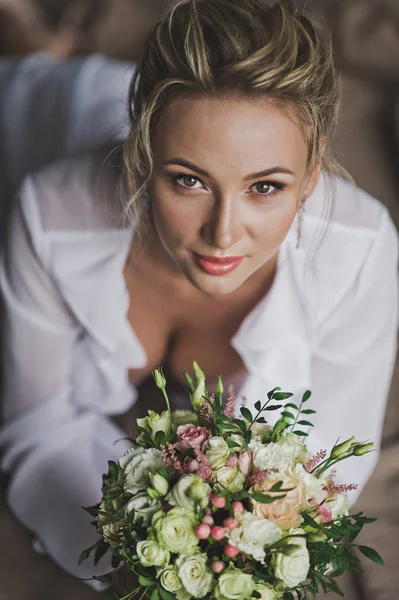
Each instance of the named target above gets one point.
<point>185,163</point>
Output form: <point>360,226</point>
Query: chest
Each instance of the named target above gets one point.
<point>175,331</point>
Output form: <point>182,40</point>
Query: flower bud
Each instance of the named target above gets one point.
<point>159,378</point>
<point>218,566</point>
<point>218,501</point>
<point>238,507</point>
<point>153,494</point>
<point>159,483</point>
<point>363,449</point>
<point>198,372</point>
<point>231,551</point>
<point>218,533</point>
<point>340,449</point>
<point>189,382</point>
<point>202,531</point>
<point>197,397</point>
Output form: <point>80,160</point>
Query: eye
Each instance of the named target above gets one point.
<point>268,188</point>
<point>186,181</point>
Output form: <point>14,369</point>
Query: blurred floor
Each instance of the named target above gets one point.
<point>367,47</point>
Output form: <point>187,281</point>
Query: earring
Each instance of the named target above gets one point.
<point>301,214</point>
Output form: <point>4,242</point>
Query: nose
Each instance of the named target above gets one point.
<point>223,227</point>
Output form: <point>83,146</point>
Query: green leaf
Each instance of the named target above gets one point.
<point>166,595</point>
<point>308,519</point>
<point>101,550</point>
<point>113,470</point>
<point>283,395</point>
<point>291,405</point>
<point>306,423</point>
<point>146,581</point>
<point>248,436</point>
<point>84,555</point>
<point>371,554</point>
<point>274,407</point>
<point>258,405</point>
<point>241,424</point>
<point>246,413</point>
<point>300,433</point>
<point>155,594</point>
<point>271,393</point>
<point>113,495</point>
<point>92,510</point>
<point>308,411</point>
<point>232,443</point>
<point>261,420</point>
<point>264,499</point>
<point>288,415</point>
<point>306,396</point>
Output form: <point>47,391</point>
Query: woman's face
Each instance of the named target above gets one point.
<point>227,181</point>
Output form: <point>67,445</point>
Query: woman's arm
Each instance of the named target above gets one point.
<point>356,355</point>
<point>54,451</point>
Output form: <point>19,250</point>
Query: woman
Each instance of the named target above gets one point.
<point>229,174</point>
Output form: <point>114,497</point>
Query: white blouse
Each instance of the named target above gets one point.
<point>69,346</point>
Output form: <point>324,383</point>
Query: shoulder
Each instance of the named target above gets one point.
<point>349,237</point>
<point>74,195</point>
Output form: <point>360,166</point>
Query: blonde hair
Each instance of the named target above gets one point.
<point>245,47</point>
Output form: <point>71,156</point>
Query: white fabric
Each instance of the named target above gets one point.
<point>69,345</point>
<point>51,109</point>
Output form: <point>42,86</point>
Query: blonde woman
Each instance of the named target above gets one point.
<point>244,249</point>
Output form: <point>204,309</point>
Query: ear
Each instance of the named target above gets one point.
<point>314,175</point>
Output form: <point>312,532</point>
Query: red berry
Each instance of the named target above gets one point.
<point>218,566</point>
<point>230,550</point>
<point>238,507</point>
<point>202,531</point>
<point>218,533</point>
<point>230,523</point>
<point>218,501</point>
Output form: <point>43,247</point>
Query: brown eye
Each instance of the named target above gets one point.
<point>188,180</point>
<point>262,187</point>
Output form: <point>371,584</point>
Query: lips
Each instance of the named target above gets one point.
<point>217,266</point>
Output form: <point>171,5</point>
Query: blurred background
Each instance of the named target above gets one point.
<point>366,39</point>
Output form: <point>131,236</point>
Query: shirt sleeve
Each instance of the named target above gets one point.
<point>52,109</point>
<point>356,356</point>
<point>54,451</point>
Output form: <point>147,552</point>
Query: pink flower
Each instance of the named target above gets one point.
<point>232,461</point>
<point>191,436</point>
<point>326,515</point>
<point>245,462</point>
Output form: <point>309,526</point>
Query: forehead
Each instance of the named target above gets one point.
<point>237,130</point>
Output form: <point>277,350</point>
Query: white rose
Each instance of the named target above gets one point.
<point>269,456</point>
<point>189,491</point>
<point>338,505</point>
<point>183,417</point>
<point>253,534</point>
<point>216,451</point>
<point>267,592</point>
<point>195,576</point>
<point>137,463</point>
<point>239,440</point>
<point>313,486</point>
<point>293,448</point>
<point>228,478</point>
<point>234,585</point>
<point>110,531</point>
<point>144,507</point>
<point>293,568</point>
<point>170,579</point>
<point>151,554</point>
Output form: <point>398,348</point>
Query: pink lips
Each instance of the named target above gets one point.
<point>217,266</point>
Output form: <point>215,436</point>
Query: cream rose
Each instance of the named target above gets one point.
<point>228,478</point>
<point>253,534</point>
<point>137,463</point>
<point>216,451</point>
<point>338,505</point>
<point>170,579</point>
<point>196,577</point>
<point>234,585</point>
<point>267,592</point>
<point>175,530</point>
<point>293,568</point>
<point>313,485</point>
<point>152,554</point>
<point>182,417</point>
<point>284,512</point>
<point>293,448</point>
<point>190,491</point>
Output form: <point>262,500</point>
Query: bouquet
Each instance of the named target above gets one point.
<point>209,505</point>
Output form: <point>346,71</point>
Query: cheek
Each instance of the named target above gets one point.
<point>271,227</point>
